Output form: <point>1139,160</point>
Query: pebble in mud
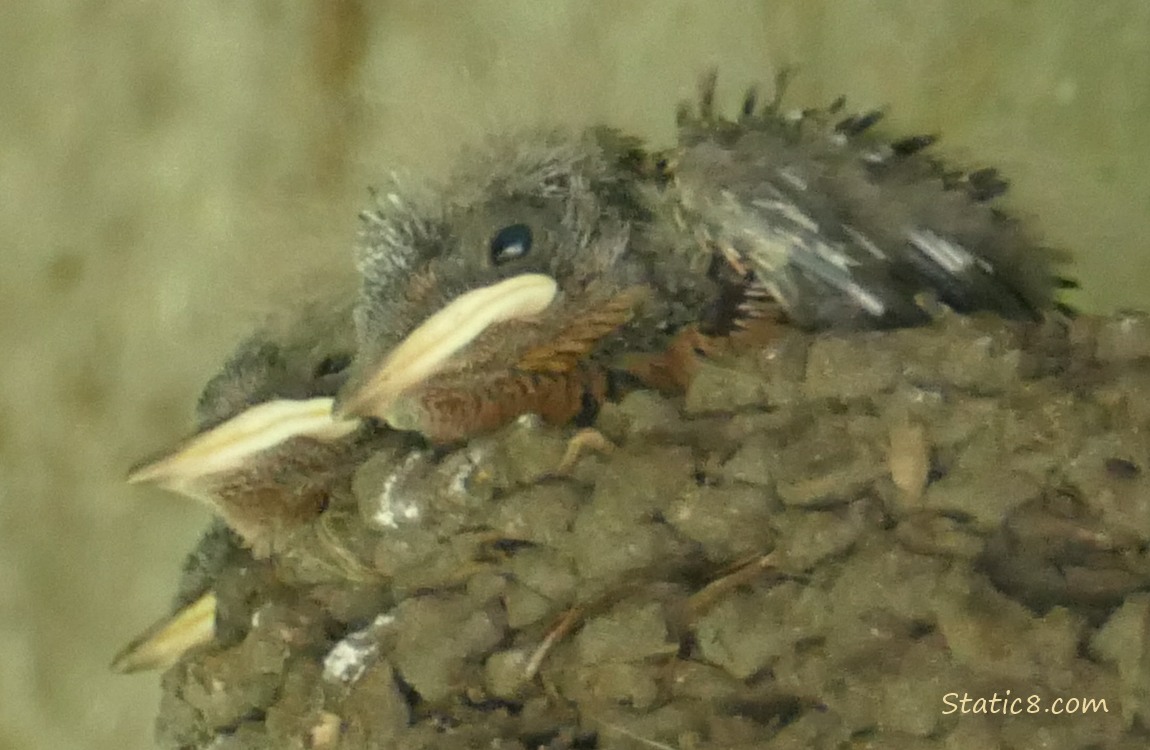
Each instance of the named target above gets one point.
<point>418,490</point>
<point>521,454</point>
<point>721,388</point>
<point>808,538</point>
<point>754,462</point>
<point>376,712</point>
<point>299,710</point>
<point>641,483</point>
<point>504,671</point>
<point>930,534</point>
<point>728,523</point>
<point>489,601</point>
<point>642,415</point>
<point>608,556</point>
<point>439,637</point>
<point>910,704</point>
<point>633,685</point>
<point>540,515</point>
<point>986,631</point>
<point>978,354</point>
<point>870,356</point>
<point>633,631</point>
<point>1108,466</point>
<point>882,576</point>
<point>1123,642</point>
<point>1124,338</point>
<point>748,630</point>
<point>620,533</point>
<point>409,489</point>
<point>525,605</point>
<point>223,688</point>
<point>828,465</point>
<point>1124,395</point>
<point>984,498</point>
<point>549,574</point>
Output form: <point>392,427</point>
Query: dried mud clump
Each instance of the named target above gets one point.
<point>827,543</point>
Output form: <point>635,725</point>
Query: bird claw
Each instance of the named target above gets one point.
<point>587,439</point>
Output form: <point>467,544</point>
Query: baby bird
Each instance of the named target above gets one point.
<point>193,621</point>
<point>517,285</point>
<point>268,451</point>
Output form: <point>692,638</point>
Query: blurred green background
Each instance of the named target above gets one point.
<point>163,164</point>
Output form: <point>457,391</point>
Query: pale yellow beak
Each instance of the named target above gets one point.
<point>429,347</point>
<point>228,446</point>
<point>162,645</point>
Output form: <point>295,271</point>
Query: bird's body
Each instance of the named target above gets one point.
<point>553,262</point>
<point>555,266</point>
<point>843,229</point>
<point>562,252</point>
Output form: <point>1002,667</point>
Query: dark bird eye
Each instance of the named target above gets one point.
<point>510,242</point>
<point>332,365</point>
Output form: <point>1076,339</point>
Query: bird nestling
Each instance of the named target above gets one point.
<point>487,300</point>
<point>193,620</point>
<point>516,286</point>
<point>268,452</point>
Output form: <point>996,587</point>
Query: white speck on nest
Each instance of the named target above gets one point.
<point>476,454</point>
<point>389,506</point>
<point>468,463</point>
<point>348,659</point>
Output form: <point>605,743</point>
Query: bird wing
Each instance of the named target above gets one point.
<point>842,229</point>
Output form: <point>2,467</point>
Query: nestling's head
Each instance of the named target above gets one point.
<point>502,283</point>
<point>267,444</point>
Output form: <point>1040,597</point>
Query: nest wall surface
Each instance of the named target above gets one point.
<point>846,539</point>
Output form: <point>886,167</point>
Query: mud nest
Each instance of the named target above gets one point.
<point>827,543</point>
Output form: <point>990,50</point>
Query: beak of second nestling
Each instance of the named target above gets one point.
<point>443,335</point>
<point>232,445</point>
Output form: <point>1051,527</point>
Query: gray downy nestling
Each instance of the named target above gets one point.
<point>193,621</point>
<point>511,288</point>
<point>268,453</point>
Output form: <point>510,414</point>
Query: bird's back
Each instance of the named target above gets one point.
<point>843,229</point>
